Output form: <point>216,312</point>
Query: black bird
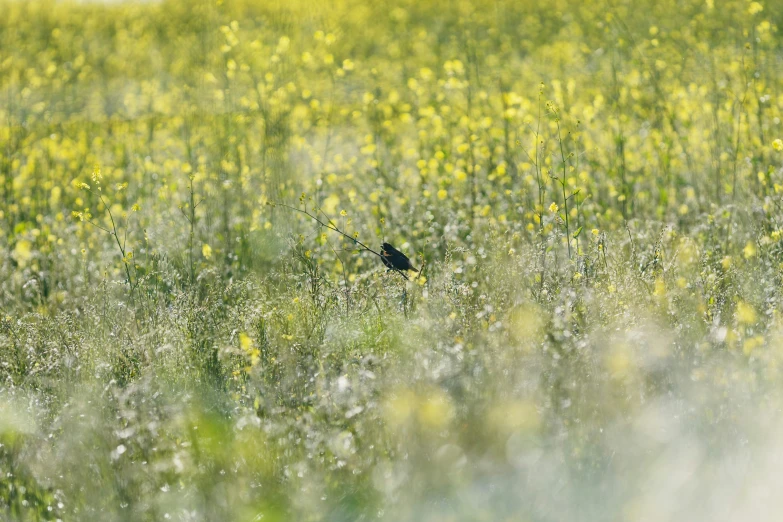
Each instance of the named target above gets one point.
<point>394,259</point>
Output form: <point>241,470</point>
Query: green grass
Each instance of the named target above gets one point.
<point>593,190</point>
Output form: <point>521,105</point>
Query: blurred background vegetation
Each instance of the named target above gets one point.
<point>592,187</point>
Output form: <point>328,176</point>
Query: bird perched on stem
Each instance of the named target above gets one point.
<point>394,259</point>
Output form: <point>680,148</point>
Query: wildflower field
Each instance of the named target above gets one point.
<point>192,329</point>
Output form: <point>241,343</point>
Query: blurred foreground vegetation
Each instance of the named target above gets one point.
<point>592,187</point>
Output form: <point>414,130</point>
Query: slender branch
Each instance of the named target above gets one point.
<point>96,225</point>
<point>331,226</point>
<point>563,182</point>
<point>120,246</point>
<point>539,179</point>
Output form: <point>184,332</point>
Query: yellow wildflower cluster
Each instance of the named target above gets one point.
<point>469,123</point>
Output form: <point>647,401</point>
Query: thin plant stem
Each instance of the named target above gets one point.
<point>331,226</point>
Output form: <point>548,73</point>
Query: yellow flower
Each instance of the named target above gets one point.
<point>442,194</point>
<point>746,314</point>
<point>22,252</point>
<point>245,341</point>
<point>777,144</point>
<point>751,344</point>
<point>206,251</point>
<point>553,207</point>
